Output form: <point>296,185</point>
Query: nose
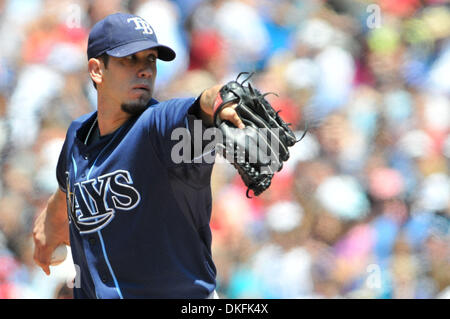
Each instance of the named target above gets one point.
<point>145,71</point>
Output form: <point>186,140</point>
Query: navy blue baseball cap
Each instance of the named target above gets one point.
<point>122,34</point>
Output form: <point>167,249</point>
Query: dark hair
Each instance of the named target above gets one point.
<point>105,58</point>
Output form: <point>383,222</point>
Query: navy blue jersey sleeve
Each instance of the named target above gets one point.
<point>176,131</point>
<point>61,167</point>
<point>202,141</point>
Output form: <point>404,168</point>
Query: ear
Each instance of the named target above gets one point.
<point>95,70</point>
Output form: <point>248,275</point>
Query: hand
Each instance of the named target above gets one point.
<point>228,112</point>
<point>51,229</point>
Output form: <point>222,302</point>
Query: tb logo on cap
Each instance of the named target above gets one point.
<point>141,24</point>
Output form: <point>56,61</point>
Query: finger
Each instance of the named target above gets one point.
<point>229,114</point>
<point>237,121</point>
<point>45,267</point>
<point>42,259</point>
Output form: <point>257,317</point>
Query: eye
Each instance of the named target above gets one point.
<point>152,58</point>
<point>130,57</point>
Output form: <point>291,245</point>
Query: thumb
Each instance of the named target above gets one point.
<point>230,114</point>
<point>236,120</point>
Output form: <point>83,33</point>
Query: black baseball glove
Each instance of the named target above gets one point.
<point>259,150</point>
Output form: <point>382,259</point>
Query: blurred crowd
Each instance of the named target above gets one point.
<point>362,207</point>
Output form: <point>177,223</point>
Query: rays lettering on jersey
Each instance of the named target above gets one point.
<point>87,201</point>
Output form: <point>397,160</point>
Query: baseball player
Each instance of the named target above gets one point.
<point>137,223</point>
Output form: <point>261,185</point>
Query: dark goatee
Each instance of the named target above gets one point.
<point>135,107</point>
